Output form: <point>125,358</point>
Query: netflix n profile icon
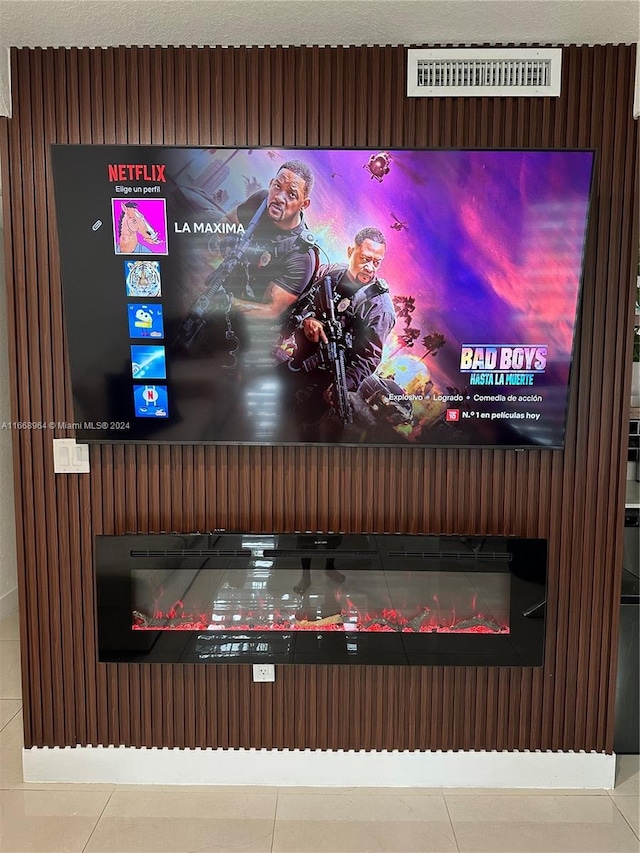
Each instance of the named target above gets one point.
<point>452,415</point>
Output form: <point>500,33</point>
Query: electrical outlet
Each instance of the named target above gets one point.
<point>264,672</point>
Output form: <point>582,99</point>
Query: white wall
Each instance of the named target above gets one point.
<point>8,565</point>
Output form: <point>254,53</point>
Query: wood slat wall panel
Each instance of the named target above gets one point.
<point>626,235</point>
<point>278,96</point>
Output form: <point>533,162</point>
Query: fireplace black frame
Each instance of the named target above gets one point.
<point>116,557</point>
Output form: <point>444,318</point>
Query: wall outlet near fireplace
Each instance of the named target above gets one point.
<point>264,672</point>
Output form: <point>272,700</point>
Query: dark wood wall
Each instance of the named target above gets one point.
<point>315,96</point>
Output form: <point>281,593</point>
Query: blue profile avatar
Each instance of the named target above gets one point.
<point>145,321</point>
<point>151,401</point>
<point>148,362</point>
<point>143,279</point>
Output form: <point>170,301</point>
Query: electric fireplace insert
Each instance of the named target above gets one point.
<point>232,597</point>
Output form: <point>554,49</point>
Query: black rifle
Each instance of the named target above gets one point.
<point>331,354</point>
<point>197,315</point>
<point>303,307</point>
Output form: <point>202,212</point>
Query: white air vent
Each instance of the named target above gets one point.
<point>487,72</point>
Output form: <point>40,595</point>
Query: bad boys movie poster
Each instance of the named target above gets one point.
<point>416,297</point>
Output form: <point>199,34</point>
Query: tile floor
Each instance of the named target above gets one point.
<point>139,819</point>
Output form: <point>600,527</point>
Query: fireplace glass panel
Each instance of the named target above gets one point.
<point>325,597</point>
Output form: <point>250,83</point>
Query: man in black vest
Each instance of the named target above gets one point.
<point>364,308</point>
<point>274,271</point>
<point>283,260</point>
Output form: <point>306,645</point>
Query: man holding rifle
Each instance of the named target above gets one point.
<point>340,343</point>
<point>262,274</point>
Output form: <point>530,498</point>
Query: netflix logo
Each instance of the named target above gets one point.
<point>137,172</point>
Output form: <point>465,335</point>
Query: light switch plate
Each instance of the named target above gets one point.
<point>69,457</point>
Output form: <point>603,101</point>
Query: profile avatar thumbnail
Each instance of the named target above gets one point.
<point>150,401</point>
<point>143,278</point>
<point>148,362</point>
<point>139,227</point>
<point>145,321</point>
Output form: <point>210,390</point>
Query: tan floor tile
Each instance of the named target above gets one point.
<point>10,629</point>
<point>299,790</point>
<point>163,822</point>
<point>8,709</point>
<point>627,775</point>
<point>48,821</point>
<point>303,836</point>
<point>241,790</point>
<point>460,792</point>
<point>629,805</point>
<point>347,806</point>
<point>210,803</point>
<point>169,835</point>
<point>355,822</point>
<point>518,824</point>
<point>12,735</point>
<point>525,792</point>
<point>10,679</point>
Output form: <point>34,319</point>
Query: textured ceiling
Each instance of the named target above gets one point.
<point>233,22</point>
<point>92,23</point>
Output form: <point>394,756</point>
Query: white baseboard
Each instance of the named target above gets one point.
<point>8,603</point>
<point>129,765</point>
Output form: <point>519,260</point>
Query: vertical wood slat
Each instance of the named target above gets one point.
<point>31,464</point>
<point>626,235</point>
<point>600,442</point>
<point>245,96</point>
<point>57,547</point>
<point>69,556</point>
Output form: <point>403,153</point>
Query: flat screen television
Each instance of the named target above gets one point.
<point>334,296</point>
